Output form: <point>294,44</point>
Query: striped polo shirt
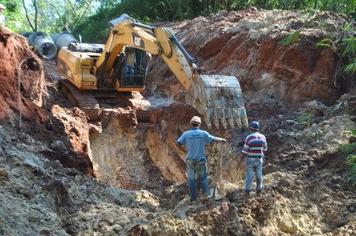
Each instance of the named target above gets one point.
<point>255,145</point>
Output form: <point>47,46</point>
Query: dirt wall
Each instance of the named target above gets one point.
<point>248,45</point>
<point>19,63</point>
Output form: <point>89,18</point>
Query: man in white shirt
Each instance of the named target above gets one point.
<point>2,17</point>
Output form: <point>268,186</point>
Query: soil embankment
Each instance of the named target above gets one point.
<point>21,72</point>
<point>251,46</point>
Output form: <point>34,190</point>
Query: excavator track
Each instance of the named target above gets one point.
<point>83,99</point>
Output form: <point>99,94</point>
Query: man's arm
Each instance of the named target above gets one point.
<point>265,146</point>
<point>208,138</point>
<point>218,139</point>
<point>246,147</point>
<point>180,141</point>
<point>181,147</point>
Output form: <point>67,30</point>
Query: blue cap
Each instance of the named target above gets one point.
<point>254,125</point>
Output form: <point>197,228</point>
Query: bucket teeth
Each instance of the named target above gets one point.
<point>208,119</point>
<point>223,118</point>
<point>219,99</point>
<point>232,123</point>
<point>238,121</point>
<point>231,118</point>
<point>216,119</point>
<point>243,116</point>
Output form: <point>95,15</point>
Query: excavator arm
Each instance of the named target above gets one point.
<point>218,98</point>
<point>127,32</point>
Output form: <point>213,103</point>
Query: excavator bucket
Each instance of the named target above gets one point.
<point>219,99</point>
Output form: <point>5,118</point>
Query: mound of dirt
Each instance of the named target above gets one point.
<point>64,133</point>
<point>21,72</point>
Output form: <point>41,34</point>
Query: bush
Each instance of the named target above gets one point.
<point>351,161</point>
<point>349,152</point>
<point>306,119</point>
<point>348,149</point>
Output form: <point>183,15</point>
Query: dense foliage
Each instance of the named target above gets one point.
<point>90,17</point>
<point>94,27</point>
<point>14,18</point>
<point>47,15</point>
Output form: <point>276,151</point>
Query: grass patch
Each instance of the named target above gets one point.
<point>306,119</point>
<point>349,152</point>
<point>351,161</point>
<point>348,149</point>
<point>291,38</point>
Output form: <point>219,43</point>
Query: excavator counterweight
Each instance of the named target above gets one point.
<point>121,65</point>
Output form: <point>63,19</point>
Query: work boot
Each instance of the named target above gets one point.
<point>258,193</point>
<point>204,199</point>
<point>247,194</point>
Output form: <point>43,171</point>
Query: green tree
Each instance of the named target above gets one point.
<point>13,14</point>
<point>94,28</point>
<point>56,16</point>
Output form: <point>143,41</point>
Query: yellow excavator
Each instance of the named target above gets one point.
<point>94,70</point>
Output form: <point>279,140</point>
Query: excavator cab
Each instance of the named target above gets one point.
<point>130,68</point>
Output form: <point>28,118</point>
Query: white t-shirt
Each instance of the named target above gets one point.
<point>2,19</point>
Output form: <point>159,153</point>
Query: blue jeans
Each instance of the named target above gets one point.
<point>196,170</point>
<point>253,165</point>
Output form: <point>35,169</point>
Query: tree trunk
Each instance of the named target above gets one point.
<point>213,5</point>
<point>36,13</point>
<point>194,7</point>
<point>228,5</point>
<point>27,17</point>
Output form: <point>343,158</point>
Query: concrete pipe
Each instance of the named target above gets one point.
<point>33,36</point>
<point>26,34</point>
<point>64,39</point>
<point>54,36</point>
<point>45,46</point>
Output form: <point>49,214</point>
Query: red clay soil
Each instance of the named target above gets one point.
<point>75,125</point>
<point>18,61</point>
<point>247,44</point>
<point>70,127</point>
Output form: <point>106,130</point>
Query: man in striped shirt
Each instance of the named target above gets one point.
<point>254,148</point>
